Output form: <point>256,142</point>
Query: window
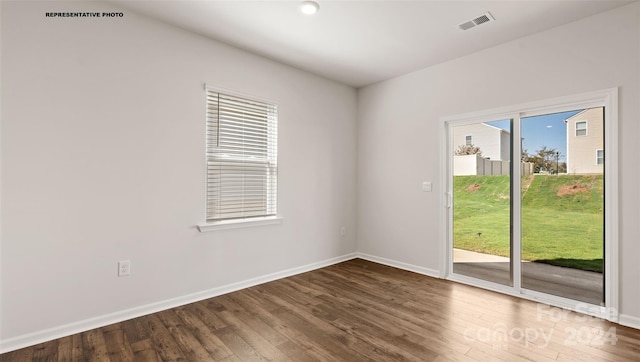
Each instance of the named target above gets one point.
<point>241,158</point>
<point>599,157</point>
<point>581,128</point>
<point>468,140</point>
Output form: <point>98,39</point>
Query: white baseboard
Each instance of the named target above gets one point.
<point>31,339</point>
<point>400,265</point>
<point>629,321</point>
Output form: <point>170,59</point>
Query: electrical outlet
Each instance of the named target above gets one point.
<point>124,268</point>
<point>343,231</point>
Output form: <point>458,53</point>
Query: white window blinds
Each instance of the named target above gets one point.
<point>241,157</point>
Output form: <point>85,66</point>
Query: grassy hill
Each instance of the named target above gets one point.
<point>562,218</point>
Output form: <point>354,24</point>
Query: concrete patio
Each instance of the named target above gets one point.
<point>569,283</point>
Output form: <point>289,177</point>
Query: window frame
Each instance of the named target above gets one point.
<point>599,158</point>
<point>217,156</point>
<point>586,129</point>
<point>607,98</point>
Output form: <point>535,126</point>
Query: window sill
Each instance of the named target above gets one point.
<point>238,224</point>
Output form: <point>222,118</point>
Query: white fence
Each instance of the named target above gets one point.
<point>476,165</point>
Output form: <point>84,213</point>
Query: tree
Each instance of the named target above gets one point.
<point>525,155</point>
<point>468,150</point>
<point>545,159</point>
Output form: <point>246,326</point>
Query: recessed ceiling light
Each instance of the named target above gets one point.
<point>309,7</point>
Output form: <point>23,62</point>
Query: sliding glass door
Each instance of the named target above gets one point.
<point>527,202</point>
<point>562,204</point>
<point>481,200</point>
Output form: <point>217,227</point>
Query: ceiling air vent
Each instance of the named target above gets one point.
<point>484,18</point>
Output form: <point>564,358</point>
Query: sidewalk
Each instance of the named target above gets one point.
<point>565,282</point>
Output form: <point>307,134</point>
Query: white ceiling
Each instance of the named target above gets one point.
<point>363,42</point>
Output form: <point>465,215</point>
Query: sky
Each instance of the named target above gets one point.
<point>546,130</point>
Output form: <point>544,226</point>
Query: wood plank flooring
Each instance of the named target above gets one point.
<point>353,311</point>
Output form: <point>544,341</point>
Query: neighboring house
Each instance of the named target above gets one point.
<point>495,145</point>
<point>585,142</point>
<point>493,141</point>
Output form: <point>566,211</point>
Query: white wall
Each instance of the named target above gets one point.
<point>102,159</point>
<point>399,145</point>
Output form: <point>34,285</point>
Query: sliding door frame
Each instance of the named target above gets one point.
<point>607,98</point>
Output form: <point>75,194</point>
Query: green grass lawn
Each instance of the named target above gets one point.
<point>562,218</point>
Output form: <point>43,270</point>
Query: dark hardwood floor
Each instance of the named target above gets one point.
<point>353,311</point>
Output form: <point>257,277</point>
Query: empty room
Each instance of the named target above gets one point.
<point>319,180</point>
